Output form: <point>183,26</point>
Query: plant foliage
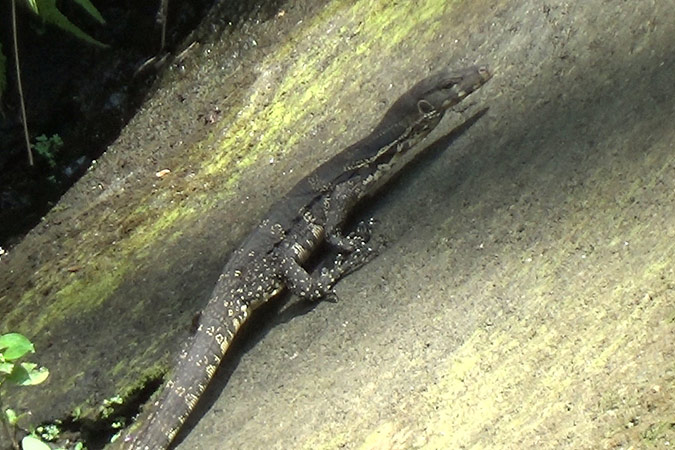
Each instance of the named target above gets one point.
<point>47,11</point>
<point>48,147</point>
<point>13,347</point>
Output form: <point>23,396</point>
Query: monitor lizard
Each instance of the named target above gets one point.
<point>271,258</point>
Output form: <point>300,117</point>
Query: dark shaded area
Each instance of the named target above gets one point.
<point>82,93</point>
<point>98,433</point>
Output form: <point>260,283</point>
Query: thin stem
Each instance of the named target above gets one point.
<point>164,13</point>
<point>18,82</point>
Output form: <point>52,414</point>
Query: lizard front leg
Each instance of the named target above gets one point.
<point>336,209</point>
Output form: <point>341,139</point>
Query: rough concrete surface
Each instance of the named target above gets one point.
<point>525,294</point>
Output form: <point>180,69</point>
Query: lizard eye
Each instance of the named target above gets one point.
<point>424,107</point>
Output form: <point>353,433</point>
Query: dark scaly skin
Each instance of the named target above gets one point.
<point>270,259</point>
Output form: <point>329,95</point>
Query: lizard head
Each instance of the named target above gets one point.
<point>447,88</point>
<point>427,100</point>
<point>409,120</point>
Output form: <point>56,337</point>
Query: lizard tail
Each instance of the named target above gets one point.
<point>192,374</point>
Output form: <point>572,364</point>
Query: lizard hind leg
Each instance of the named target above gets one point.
<point>305,285</point>
<point>320,284</point>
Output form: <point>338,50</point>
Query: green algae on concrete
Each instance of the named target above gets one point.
<point>315,77</point>
<point>82,293</point>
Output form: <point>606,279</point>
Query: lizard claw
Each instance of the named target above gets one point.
<point>331,297</point>
<point>363,231</point>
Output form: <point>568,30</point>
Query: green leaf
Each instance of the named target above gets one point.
<point>13,418</point>
<point>18,376</point>
<point>6,368</point>
<point>11,415</point>
<point>36,375</point>
<point>26,374</point>
<point>32,5</point>
<point>33,443</point>
<point>91,9</point>
<point>49,12</point>
<point>14,346</point>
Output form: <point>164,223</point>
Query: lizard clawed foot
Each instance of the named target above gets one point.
<point>330,296</point>
<point>322,294</point>
<point>349,262</point>
<point>363,232</point>
<point>354,240</point>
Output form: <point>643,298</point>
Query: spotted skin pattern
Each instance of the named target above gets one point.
<point>272,256</point>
